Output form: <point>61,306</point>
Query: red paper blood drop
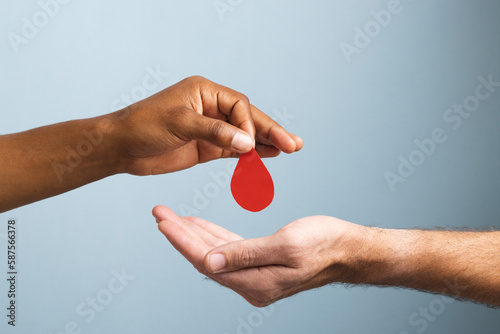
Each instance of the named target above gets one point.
<point>252,185</point>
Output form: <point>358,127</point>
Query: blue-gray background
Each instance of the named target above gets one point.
<point>356,119</point>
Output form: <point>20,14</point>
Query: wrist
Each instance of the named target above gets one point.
<point>378,256</point>
<point>105,135</point>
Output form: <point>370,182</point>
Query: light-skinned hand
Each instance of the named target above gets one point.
<point>300,256</point>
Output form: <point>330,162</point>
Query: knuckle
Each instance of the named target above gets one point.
<point>266,134</point>
<point>243,98</point>
<point>245,258</point>
<point>289,239</point>
<point>196,78</point>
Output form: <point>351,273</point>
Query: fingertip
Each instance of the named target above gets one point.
<point>284,140</point>
<point>162,212</point>
<point>156,212</point>
<point>292,145</point>
<point>246,127</point>
<point>215,262</point>
<point>288,144</point>
<point>299,143</point>
<point>242,142</point>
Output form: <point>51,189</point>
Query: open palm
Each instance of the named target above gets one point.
<point>262,270</point>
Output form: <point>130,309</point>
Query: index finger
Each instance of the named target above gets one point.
<point>234,105</point>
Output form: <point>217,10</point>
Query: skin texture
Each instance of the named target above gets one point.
<point>315,251</point>
<point>191,122</point>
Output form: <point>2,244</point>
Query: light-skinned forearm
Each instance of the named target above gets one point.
<point>50,160</point>
<point>461,264</point>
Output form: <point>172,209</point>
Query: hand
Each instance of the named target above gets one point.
<point>191,122</point>
<point>305,254</point>
<point>314,251</point>
<point>195,121</point>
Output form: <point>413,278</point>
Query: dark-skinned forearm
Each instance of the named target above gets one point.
<point>53,159</point>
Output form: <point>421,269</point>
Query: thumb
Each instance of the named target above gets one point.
<point>217,132</point>
<point>242,254</point>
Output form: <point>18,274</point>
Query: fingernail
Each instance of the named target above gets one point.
<point>241,141</point>
<point>217,262</point>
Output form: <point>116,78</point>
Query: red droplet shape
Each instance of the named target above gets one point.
<point>252,185</point>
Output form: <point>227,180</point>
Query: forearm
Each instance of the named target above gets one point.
<point>463,264</point>
<point>50,160</point>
